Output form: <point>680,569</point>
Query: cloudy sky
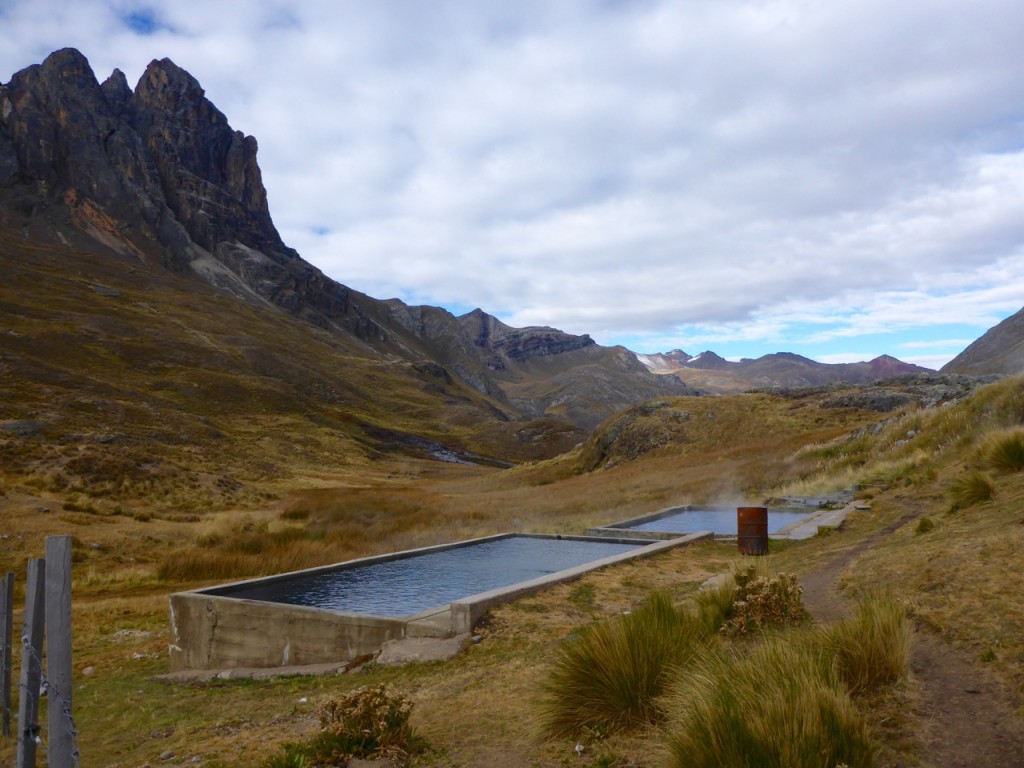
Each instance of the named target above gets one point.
<point>839,179</point>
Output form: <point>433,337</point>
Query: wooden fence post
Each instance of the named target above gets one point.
<point>62,749</point>
<point>31,664</point>
<point>6,638</point>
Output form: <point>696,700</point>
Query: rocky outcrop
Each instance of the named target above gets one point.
<point>157,173</point>
<point>208,172</point>
<point>72,147</point>
<point>503,341</point>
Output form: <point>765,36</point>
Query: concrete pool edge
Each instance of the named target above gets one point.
<point>210,629</point>
<point>467,611</point>
<point>626,527</point>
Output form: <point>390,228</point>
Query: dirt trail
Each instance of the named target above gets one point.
<point>967,718</point>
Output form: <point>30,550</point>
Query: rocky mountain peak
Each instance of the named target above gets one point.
<point>157,172</point>
<point>117,92</point>
<point>707,359</point>
<point>211,178</point>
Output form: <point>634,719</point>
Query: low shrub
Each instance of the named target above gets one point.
<point>368,722</point>
<point>371,723</point>
<point>973,487</point>
<point>610,675</point>
<point>871,648</point>
<point>1004,451</point>
<point>781,704</point>
<point>762,602</point>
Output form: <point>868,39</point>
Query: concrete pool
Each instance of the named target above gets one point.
<point>687,518</point>
<point>426,580</point>
<point>346,610</point>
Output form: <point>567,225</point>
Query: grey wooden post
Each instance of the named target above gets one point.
<point>31,664</point>
<point>6,638</point>
<point>62,743</point>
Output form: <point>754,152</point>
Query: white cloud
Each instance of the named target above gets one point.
<point>674,171</point>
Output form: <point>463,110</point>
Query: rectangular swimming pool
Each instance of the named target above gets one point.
<point>417,583</point>
<point>349,609</point>
<point>722,521</point>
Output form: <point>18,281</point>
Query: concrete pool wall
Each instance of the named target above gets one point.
<point>210,629</point>
<point>808,523</point>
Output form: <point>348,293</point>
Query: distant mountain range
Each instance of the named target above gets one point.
<point>713,373</point>
<point>141,265</point>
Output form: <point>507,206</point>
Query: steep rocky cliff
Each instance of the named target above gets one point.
<point>155,173</point>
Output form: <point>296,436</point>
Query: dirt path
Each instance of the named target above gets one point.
<point>966,717</point>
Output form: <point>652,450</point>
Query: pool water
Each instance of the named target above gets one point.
<point>721,521</point>
<point>413,584</point>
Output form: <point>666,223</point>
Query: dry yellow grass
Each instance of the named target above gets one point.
<point>955,577</point>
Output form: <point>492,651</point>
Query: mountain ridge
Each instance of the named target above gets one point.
<point>712,372</point>
<point>158,176</point>
<point>1000,350</point>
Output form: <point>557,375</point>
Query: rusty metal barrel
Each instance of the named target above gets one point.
<point>752,529</point>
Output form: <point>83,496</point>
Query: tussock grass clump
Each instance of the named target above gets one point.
<point>781,704</point>
<point>1003,451</point>
<point>871,648</point>
<point>609,677</point>
<point>924,525</point>
<point>762,602</point>
<point>972,487</point>
<point>714,606</point>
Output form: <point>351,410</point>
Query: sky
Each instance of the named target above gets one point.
<point>837,179</point>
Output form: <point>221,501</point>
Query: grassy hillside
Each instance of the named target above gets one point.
<point>130,385</point>
<point>955,573</point>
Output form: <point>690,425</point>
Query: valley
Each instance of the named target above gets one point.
<point>194,403</point>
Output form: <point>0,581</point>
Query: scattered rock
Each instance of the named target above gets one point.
<point>22,427</point>
<point>131,634</point>
<point>103,290</point>
<point>88,671</point>
<point>715,582</point>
